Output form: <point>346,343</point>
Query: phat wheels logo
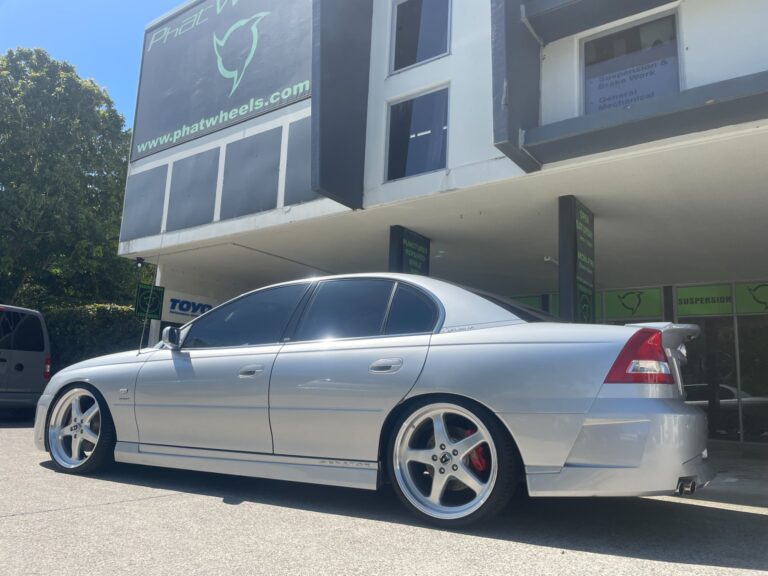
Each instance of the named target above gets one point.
<point>236,70</point>
<point>631,301</point>
<point>759,294</point>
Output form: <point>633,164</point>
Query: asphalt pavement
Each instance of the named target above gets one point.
<point>146,521</point>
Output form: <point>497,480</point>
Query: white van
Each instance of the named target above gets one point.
<point>25,356</point>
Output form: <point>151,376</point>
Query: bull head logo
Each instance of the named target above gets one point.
<point>237,74</point>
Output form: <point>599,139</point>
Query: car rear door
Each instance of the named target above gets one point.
<point>213,392</point>
<point>27,366</point>
<point>358,349</point>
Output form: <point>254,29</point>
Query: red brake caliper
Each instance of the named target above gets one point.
<point>477,458</point>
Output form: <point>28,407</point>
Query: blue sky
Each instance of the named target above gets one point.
<point>101,38</point>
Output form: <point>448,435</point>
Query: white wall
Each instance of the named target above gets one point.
<point>466,71</point>
<point>718,40</point>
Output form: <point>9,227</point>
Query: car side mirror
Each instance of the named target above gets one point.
<point>171,336</point>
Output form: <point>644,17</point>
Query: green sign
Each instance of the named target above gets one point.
<point>408,251</point>
<point>585,264</point>
<point>714,300</point>
<point>530,301</point>
<point>554,304</point>
<point>634,303</point>
<point>217,63</point>
<point>752,298</point>
<point>149,301</point>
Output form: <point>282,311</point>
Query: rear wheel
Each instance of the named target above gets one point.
<point>452,463</point>
<point>81,434</point>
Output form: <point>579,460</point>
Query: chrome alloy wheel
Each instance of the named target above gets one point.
<point>73,429</point>
<point>445,461</point>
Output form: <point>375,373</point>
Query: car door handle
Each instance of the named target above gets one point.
<point>250,371</point>
<point>386,366</point>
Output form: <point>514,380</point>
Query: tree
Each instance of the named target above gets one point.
<point>63,158</point>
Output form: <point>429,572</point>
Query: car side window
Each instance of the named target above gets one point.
<point>412,312</point>
<point>353,308</point>
<point>28,336</point>
<point>7,324</point>
<point>258,318</point>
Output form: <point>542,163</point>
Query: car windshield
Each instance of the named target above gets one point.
<point>520,310</point>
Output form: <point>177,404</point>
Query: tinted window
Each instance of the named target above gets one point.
<point>7,323</point>
<point>412,312</point>
<point>421,31</point>
<point>28,336</point>
<point>259,318</point>
<point>346,309</point>
<point>632,65</point>
<point>418,135</point>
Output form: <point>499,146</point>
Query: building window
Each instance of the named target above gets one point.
<point>630,66</point>
<point>418,135</point>
<point>421,31</point>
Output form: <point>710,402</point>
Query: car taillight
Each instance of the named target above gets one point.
<point>47,369</point>
<point>641,361</point>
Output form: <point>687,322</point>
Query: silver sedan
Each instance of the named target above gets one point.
<point>453,396</point>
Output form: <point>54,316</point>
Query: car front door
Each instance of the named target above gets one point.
<point>212,393</point>
<point>357,351</point>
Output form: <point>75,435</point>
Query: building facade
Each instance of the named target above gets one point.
<point>277,139</point>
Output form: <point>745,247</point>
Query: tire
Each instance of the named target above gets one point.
<point>80,432</point>
<point>474,462</point>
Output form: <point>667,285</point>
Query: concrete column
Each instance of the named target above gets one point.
<point>154,325</point>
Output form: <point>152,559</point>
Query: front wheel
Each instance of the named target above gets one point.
<point>452,463</point>
<point>81,434</point>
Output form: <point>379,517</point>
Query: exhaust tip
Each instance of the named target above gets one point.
<point>685,487</point>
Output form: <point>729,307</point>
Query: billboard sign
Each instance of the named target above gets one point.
<point>149,301</point>
<point>217,63</point>
<point>408,251</point>
<point>577,261</point>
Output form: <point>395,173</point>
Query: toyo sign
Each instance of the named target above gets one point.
<point>180,307</point>
<point>217,63</point>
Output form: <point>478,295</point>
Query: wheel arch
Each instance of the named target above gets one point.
<point>404,406</point>
<point>62,390</point>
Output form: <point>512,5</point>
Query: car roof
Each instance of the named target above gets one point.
<point>460,307</point>
<point>10,308</point>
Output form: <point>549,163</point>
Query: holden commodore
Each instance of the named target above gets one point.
<point>454,397</point>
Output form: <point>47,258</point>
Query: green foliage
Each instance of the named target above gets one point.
<point>63,158</point>
<point>82,332</point>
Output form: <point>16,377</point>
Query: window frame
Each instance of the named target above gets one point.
<point>393,40</point>
<point>308,300</point>
<point>186,328</point>
<point>632,22</point>
<point>413,96</point>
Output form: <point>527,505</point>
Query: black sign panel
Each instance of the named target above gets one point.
<point>577,261</point>
<point>218,63</point>
<point>408,251</point>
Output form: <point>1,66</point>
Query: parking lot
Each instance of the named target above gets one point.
<point>142,521</point>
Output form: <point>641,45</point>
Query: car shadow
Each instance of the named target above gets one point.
<point>678,532</point>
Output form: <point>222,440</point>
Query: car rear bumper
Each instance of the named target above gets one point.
<point>631,447</point>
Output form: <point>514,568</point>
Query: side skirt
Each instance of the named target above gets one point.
<point>349,474</point>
